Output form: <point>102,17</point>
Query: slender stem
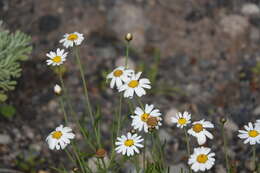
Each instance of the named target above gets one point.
<point>63,110</point>
<point>127,54</point>
<point>78,158</point>
<point>225,147</point>
<point>187,145</point>
<point>84,84</point>
<point>70,156</point>
<point>103,163</point>
<point>144,153</point>
<point>140,103</point>
<point>254,157</point>
<point>119,114</point>
<point>66,97</point>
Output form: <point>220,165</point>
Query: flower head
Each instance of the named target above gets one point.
<point>60,138</point>
<point>257,123</point>
<point>181,120</point>
<point>251,134</point>
<point>135,85</point>
<point>199,131</point>
<point>149,117</point>
<point>118,76</point>
<point>73,38</point>
<point>56,58</point>
<point>129,144</point>
<point>201,159</point>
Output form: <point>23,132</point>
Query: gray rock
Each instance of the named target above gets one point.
<point>169,114</point>
<point>250,9</point>
<point>164,135</point>
<point>178,168</point>
<point>256,111</point>
<point>220,169</point>
<point>254,34</point>
<point>125,18</point>
<point>234,25</point>
<point>5,139</point>
<point>121,62</point>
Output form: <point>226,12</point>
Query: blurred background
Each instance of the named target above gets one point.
<point>202,56</point>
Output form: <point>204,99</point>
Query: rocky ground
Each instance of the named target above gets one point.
<point>209,51</point>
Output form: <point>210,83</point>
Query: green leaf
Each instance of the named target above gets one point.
<point>3,97</point>
<point>7,111</point>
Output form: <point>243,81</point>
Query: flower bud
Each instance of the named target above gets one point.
<point>223,120</point>
<point>75,169</point>
<point>100,153</point>
<point>129,37</point>
<point>57,89</point>
<point>133,131</point>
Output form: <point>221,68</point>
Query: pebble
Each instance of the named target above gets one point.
<point>178,168</point>
<point>169,114</point>
<point>121,62</point>
<point>220,169</point>
<point>125,18</point>
<point>256,111</point>
<point>4,139</point>
<point>234,25</point>
<point>250,9</point>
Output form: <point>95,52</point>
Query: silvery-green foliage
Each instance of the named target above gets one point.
<point>14,48</point>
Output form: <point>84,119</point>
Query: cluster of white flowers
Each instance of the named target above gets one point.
<point>129,82</point>
<point>202,159</point>
<point>144,118</point>
<point>61,137</point>
<point>58,57</point>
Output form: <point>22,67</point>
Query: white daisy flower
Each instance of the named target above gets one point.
<point>128,145</point>
<point>201,159</point>
<point>143,119</point>
<point>199,131</point>
<point>135,85</point>
<point>181,119</point>
<point>56,58</point>
<point>60,138</point>
<point>73,38</point>
<point>251,134</point>
<point>119,75</point>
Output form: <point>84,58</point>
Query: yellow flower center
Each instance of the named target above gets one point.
<point>56,59</point>
<point>182,121</point>
<point>253,133</point>
<point>197,128</point>
<point>118,73</point>
<point>129,142</point>
<point>57,135</point>
<point>72,37</point>
<point>145,117</point>
<point>202,158</point>
<point>133,83</point>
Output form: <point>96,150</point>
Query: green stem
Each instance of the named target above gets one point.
<point>254,157</point>
<point>104,164</point>
<point>84,84</point>
<point>225,147</point>
<point>63,109</point>
<point>144,153</point>
<point>127,54</point>
<point>66,97</point>
<point>187,145</point>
